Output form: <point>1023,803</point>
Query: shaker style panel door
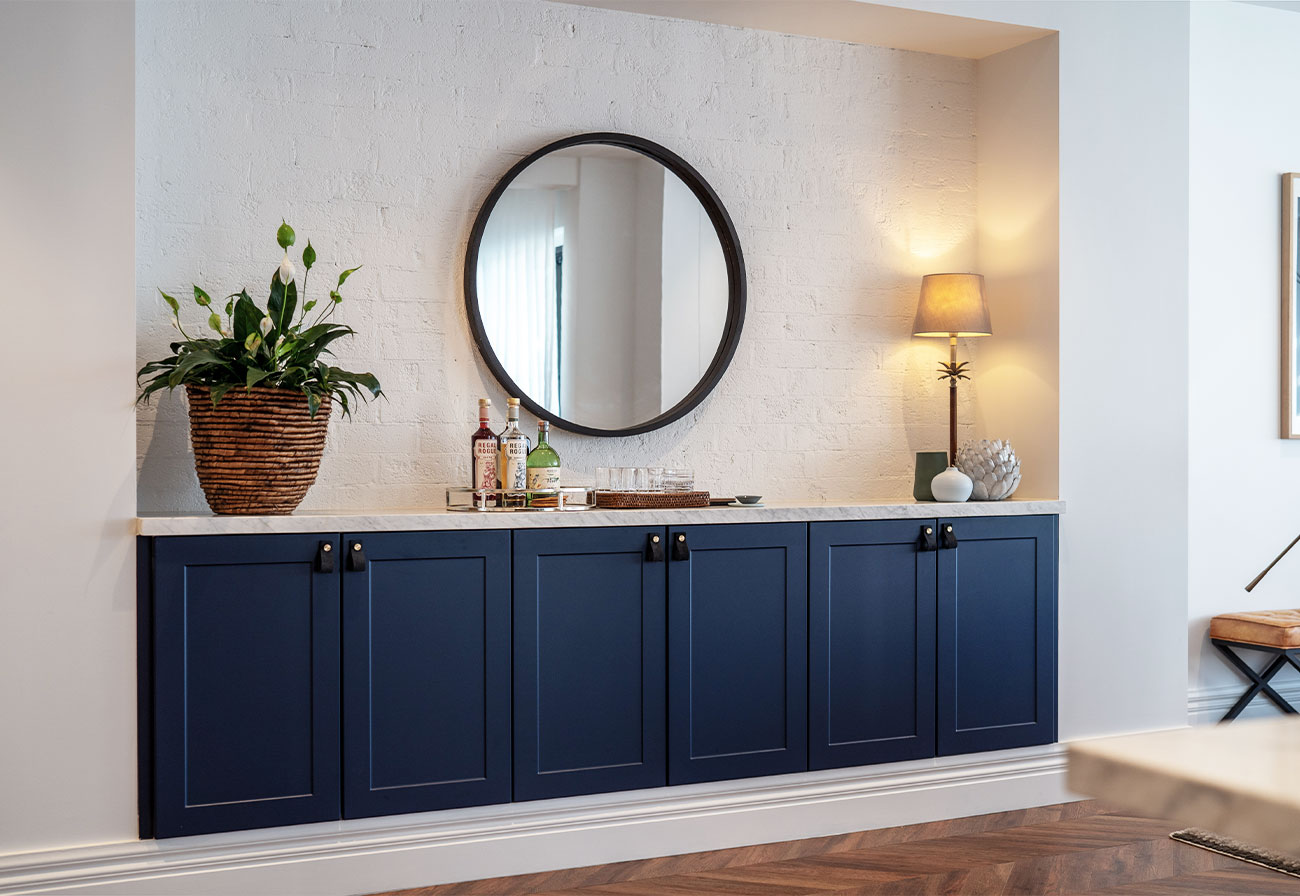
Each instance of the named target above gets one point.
<point>737,651</point>
<point>871,663</point>
<point>426,671</point>
<point>589,677</point>
<point>997,634</point>
<point>246,683</point>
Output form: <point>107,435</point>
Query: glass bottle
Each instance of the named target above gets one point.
<point>543,462</point>
<point>512,466</point>
<point>484,447</point>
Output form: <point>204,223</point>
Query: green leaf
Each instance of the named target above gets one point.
<point>219,392</point>
<point>284,236</point>
<point>348,273</point>
<point>175,305</point>
<point>247,317</point>
<point>230,306</point>
<point>310,305</point>
<point>336,297</point>
<point>202,298</point>
<point>308,257</point>
<point>255,376</point>
<point>214,321</point>
<point>313,403</point>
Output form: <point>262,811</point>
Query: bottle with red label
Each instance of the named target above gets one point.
<point>484,446</point>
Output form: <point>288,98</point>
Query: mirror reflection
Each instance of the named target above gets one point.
<point>602,286</point>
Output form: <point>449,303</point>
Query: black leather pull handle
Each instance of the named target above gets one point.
<point>654,548</point>
<point>925,541</point>
<point>681,550</point>
<point>356,557</point>
<point>947,537</point>
<point>325,557</point>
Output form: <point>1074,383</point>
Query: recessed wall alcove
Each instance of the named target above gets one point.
<point>857,146</point>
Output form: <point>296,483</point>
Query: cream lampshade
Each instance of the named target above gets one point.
<point>952,305</point>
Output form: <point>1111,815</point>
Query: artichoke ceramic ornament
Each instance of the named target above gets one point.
<point>992,466</point>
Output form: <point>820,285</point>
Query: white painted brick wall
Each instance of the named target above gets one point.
<point>378,128</point>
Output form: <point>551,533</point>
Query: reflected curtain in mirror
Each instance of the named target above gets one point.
<point>520,280</point>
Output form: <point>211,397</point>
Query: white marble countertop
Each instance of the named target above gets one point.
<point>1241,780</point>
<point>426,520</point>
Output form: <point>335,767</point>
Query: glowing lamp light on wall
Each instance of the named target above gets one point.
<point>952,305</point>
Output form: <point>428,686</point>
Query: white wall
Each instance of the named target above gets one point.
<point>1018,369</point>
<point>1244,491</point>
<point>67,558</point>
<point>378,128</point>
<point>1123,355</point>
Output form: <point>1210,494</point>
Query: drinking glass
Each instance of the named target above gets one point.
<point>655,479</point>
<point>603,480</point>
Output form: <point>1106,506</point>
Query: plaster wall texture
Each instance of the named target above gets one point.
<point>377,129</point>
<point>1243,490</point>
<point>67,561</point>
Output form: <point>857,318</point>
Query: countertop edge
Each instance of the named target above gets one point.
<point>444,520</point>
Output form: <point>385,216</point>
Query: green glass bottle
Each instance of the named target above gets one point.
<point>543,462</point>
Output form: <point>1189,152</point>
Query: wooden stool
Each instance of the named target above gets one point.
<point>1275,632</point>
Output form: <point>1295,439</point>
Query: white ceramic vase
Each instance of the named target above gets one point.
<point>951,486</point>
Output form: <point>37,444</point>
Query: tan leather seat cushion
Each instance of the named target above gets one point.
<point>1274,628</point>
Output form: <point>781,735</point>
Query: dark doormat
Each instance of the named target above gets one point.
<point>1235,849</point>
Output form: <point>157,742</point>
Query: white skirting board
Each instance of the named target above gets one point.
<point>1205,706</point>
<point>341,858</point>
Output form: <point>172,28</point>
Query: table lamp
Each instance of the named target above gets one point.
<point>952,305</point>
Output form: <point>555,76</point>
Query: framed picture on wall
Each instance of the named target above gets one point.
<point>1290,311</point>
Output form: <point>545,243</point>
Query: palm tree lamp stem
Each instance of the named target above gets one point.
<point>952,403</point>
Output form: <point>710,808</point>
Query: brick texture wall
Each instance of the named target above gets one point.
<point>378,128</point>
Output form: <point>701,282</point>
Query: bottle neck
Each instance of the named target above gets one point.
<point>542,433</point>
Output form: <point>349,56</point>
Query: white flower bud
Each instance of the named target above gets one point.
<point>267,324</point>
<point>286,270</point>
<point>176,321</point>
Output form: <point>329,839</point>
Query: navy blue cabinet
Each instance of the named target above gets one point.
<point>737,651</point>
<point>997,634</point>
<point>246,683</point>
<point>426,671</point>
<point>296,678</point>
<point>871,643</point>
<point>589,677</point>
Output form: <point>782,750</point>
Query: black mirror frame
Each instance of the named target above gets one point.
<point>730,250</point>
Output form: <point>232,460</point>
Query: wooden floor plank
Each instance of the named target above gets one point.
<point>1066,849</point>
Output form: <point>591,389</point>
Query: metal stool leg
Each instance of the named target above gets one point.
<point>1259,680</point>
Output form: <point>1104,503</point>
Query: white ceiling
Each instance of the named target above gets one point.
<point>846,20</point>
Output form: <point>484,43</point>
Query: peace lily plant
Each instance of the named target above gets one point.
<point>271,347</point>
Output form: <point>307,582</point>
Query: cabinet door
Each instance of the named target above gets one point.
<point>738,651</point>
<point>997,634</point>
<point>588,662</point>
<point>426,672</point>
<point>246,683</point>
<point>871,643</point>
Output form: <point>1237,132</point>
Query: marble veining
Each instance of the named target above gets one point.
<point>1240,780</point>
<point>428,520</point>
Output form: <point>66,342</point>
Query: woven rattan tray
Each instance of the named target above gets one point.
<point>631,500</point>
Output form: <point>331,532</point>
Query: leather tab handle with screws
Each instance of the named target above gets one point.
<point>325,557</point>
<point>681,550</point>
<point>356,557</point>
<point>654,548</point>
<point>947,538</point>
<point>925,541</point>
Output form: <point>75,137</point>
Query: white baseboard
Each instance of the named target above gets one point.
<point>1207,705</point>
<point>341,858</point>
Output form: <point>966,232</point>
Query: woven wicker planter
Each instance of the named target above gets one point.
<point>257,451</point>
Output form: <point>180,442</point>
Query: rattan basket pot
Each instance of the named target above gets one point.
<point>258,450</point>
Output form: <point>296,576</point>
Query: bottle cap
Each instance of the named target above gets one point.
<point>544,425</point>
<point>512,401</point>
<point>485,402</point>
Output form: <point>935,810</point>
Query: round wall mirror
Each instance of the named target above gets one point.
<point>605,284</point>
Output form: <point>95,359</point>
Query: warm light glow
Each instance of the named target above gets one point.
<point>952,305</point>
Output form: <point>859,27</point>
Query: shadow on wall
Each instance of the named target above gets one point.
<point>166,477</point>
